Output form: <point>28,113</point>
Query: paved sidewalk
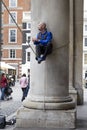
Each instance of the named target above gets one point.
<point>9,107</point>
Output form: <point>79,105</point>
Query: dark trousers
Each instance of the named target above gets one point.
<point>43,49</point>
<point>24,93</point>
<point>2,93</point>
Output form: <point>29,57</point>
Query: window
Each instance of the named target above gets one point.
<point>12,35</point>
<point>85,27</point>
<point>12,3</point>
<point>85,58</point>
<point>28,56</point>
<point>24,25</point>
<point>14,15</point>
<point>28,26</point>
<point>28,37</point>
<point>12,53</point>
<point>85,41</point>
<point>86,74</point>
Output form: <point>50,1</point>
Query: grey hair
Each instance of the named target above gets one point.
<point>43,23</point>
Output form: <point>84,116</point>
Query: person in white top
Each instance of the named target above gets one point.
<point>23,83</point>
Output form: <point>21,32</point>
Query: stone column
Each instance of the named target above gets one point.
<point>49,79</point>
<point>72,90</point>
<point>49,89</point>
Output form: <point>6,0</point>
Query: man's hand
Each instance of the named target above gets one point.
<point>35,40</point>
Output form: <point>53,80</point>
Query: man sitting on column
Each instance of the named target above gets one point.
<point>43,42</point>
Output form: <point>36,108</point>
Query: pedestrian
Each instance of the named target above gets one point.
<point>23,83</point>
<point>43,42</point>
<point>28,86</point>
<point>3,84</point>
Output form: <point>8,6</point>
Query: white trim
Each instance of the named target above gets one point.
<point>27,15</point>
<point>8,25</point>
<point>7,59</point>
<point>17,47</point>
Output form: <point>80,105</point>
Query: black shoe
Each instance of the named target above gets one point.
<point>39,60</point>
<point>36,58</point>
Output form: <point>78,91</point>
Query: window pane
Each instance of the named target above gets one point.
<point>85,41</point>
<point>85,27</point>
<point>13,3</point>
<point>29,25</point>
<point>12,35</point>
<point>28,56</point>
<point>11,21</point>
<point>85,58</point>
<point>12,53</point>
<point>24,25</point>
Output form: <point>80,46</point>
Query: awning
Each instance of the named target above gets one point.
<point>4,65</point>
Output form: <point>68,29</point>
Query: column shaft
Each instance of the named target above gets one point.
<point>49,80</point>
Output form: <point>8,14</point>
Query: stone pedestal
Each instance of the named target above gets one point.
<point>48,103</point>
<point>31,118</point>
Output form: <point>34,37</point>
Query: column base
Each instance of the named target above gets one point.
<point>73,94</point>
<point>34,118</point>
<point>66,103</point>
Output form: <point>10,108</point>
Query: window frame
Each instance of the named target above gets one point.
<point>28,35</point>
<point>85,61</point>
<point>10,19</point>
<point>85,41</point>
<point>28,57</point>
<point>15,35</point>
<point>10,3</point>
<point>85,27</point>
<point>28,26</point>
<point>13,53</point>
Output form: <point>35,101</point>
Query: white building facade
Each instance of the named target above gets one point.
<point>26,23</point>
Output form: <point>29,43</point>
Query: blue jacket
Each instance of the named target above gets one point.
<point>44,38</point>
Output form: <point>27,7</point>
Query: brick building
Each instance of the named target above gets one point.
<point>12,32</point>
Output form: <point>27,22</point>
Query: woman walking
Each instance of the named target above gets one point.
<point>23,82</point>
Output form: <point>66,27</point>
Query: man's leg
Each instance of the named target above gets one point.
<point>2,93</point>
<point>23,96</point>
<point>38,51</point>
<point>47,50</point>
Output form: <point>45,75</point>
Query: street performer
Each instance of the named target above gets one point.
<point>43,42</point>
